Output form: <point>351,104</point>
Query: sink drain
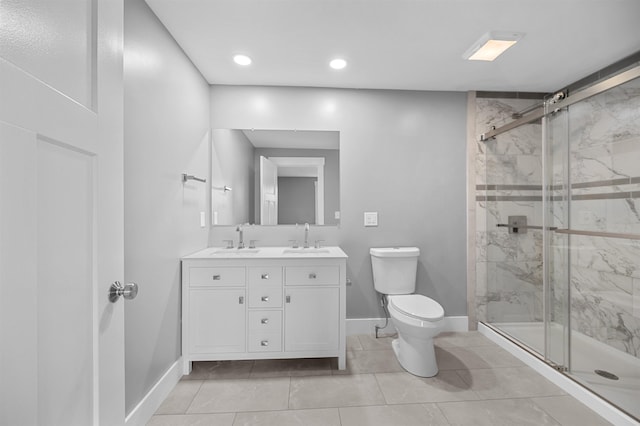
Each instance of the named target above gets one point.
<point>606,374</point>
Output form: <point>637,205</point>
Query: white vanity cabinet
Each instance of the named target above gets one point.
<point>265,305</point>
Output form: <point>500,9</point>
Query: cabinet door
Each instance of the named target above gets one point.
<point>217,320</point>
<point>312,318</point>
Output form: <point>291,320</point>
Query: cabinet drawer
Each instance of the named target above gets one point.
<point>265,342</point>
<point>265,296</point>
<point>312,275</point>
<point>265,321</point>
<point>265,275</point>
<point>217,276</point>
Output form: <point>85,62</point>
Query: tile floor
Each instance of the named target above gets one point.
<point>479,383</point>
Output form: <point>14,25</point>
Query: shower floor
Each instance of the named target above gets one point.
<point>587,355</point>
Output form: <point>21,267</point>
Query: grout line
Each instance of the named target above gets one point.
<point>193,398</point>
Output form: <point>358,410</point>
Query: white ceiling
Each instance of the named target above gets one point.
<point>307,139</point>
<point>401,44</point>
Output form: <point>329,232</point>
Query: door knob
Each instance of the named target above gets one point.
<point>128,291</point>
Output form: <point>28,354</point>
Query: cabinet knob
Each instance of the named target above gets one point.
<point>216,277</point>
<point>265,298</point>
<point>264,343</point>
<point>312,276</point>
<point>241,300</point>
<point>264,321</point>
<point>265,276</point>
<point>288,299</point>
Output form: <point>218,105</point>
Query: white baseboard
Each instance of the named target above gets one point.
<point>142,413</point>
<point>367,325</point>
<point>600,406</point>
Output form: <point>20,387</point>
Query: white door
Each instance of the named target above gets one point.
<point>61,212</point>
<point>268,192</point>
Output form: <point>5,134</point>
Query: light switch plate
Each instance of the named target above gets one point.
<point>370,218</point>
<point>203,220</point>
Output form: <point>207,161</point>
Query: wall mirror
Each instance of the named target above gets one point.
<point>275,177</point>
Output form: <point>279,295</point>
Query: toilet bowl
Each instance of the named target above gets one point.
<point>417,319</point>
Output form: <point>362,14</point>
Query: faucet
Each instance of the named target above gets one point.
<point>240,237</point>
<point>306,236</point>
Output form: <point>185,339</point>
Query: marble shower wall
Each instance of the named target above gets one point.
<point>508,182</point>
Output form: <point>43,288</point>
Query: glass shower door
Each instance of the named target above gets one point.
<point>556,245</point>
<point>514,235</point>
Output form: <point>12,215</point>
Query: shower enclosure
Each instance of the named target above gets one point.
<point>559,232</point>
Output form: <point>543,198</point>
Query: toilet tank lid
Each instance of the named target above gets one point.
<point>395,252</point>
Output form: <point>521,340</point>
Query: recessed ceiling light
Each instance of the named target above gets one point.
<point>242,60</point>
<point>491,45</point>
<point>338,64</point>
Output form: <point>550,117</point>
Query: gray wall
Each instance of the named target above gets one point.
<point>166,110</point>
<point>296,200</point>
<point>402,154</point>
<point>232,165</point>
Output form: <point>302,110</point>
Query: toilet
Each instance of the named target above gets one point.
<point>417,318</point>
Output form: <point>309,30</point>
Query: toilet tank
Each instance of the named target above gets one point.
<point>394,269</point>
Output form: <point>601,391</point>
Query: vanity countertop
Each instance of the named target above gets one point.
<point>268,253</point>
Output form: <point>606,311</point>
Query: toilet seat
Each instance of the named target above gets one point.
<point>417,306</point>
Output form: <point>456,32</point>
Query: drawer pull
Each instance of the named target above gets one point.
<point>265,298</point>
<point>312,276</point>
<point>264,321</point>
<point>265,276</point>
<point>216,277</point>
<point>288,299</point>
<point>241,300</point>
<point>264,343</point>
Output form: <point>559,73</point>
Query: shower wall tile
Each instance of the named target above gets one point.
<point>626,155</point>
<point>516,276</point>
<point>636,298</point>
<point>623,216</point>
<point>618,256</point>
<point>481,215</point>
<point>530,246</point>
<point>501,246</point>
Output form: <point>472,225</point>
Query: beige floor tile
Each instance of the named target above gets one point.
<point>207,370</point>
<point>219,396</point>
<point>180,397</point>
<point>386,415</point>
<point>315,417</point>
<point>192,420</point>
<point>291,367</point>
<point>569,411</point>
<point>504,412</point>
<point>363,362</point>
<point>334,391</point>
<point>404,388</point>
<point>453,358</point>
<point>452,339</point>
<point>353,343</point>
<point>511,382</point>
<point>370,343</point>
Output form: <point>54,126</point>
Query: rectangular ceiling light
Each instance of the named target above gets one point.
<point>491,45</point>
